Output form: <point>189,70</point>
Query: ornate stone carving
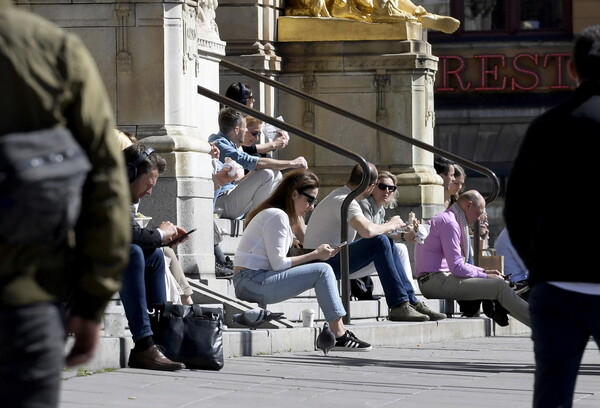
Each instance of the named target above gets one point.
<point>190,51</point>
<point>382,85</point>
<point>309,83</point>
<point>123,55</point>
<point>429,110</point>
<point>200,32</point>
<point>206,17</point>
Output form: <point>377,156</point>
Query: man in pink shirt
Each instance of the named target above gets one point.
<point>441,267</point>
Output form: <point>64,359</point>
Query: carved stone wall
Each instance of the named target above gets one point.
<point>152,55</point>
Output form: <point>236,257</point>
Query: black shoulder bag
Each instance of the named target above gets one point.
<point>190,334</point>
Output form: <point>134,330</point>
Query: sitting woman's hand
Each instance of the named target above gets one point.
<point>325,251</point>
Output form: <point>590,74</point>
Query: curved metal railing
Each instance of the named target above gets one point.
<point>344,253</point>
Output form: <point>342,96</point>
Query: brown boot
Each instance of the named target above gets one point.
<point>153,359</point>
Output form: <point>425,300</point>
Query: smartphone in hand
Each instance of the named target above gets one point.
<point>341,245</point>
<point>179,238</point>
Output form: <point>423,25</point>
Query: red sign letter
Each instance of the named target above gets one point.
<point>518,68</point>
<point>559,69</point>
<point>494,71</point>
<point>456,72</point>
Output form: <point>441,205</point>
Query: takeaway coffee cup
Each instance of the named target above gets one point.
<point>308,317</point>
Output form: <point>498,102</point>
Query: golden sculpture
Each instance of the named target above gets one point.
<point>375,11</point>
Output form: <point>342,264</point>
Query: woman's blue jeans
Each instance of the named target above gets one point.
<point>143,284</point>
<point>266,287</point>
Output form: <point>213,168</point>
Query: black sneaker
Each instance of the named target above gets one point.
<point>521,287</point>
<point>349,342</point>
<point>228,262</point>
<point>222,272</point>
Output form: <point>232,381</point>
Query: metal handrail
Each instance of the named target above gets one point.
<point>344,253</point>
<point>435,150</point>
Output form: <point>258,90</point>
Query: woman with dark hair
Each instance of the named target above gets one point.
<point>445,169</point>
<point>457,185</point>
<point>242,93</point>
<point>263,271</point>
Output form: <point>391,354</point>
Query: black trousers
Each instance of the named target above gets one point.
<point>32,342</point>
<point>561,325</point>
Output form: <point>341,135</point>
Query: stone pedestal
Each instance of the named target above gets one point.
<point>388,82</point>
<point>250,30</point>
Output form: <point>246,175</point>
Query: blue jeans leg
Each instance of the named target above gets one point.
<point>383,253</point>
<point>264,286</point>
<point>561,325</point>
<point>143,284</point>
<point>31,356</point>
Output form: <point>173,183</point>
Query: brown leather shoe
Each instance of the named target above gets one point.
<point>153,359</point>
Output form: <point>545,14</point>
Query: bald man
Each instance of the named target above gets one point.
<point>441,267</point>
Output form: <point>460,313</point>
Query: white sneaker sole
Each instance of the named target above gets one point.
<point>339,348</point>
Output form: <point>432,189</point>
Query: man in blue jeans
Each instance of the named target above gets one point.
<point>564,299</point>
<point>144,279</point>
<point>373,247</point>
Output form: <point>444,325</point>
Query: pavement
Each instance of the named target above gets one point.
<point>475,372</point>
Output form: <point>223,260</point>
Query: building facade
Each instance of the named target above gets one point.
<point>506,64</point>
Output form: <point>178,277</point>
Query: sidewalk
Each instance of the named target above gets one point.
<point>477,372</point>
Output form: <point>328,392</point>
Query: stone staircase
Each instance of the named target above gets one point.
<point>369,320</point>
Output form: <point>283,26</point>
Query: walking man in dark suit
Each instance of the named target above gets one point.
<point>564,300</point>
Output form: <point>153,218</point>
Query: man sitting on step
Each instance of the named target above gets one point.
<point>237,198</point>
<point>441,267</point>
<point>144,278</point>
<point>373,247</point>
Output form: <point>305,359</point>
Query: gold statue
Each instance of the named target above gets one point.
<point>375,11</point>
<point>311,8</point>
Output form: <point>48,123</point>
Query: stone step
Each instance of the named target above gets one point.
<point>113,352</point>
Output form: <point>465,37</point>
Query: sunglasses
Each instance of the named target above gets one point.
<point>386,187</point>
<point>311,200</point>
<point>255,133</point>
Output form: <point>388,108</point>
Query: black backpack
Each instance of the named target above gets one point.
<point>362,288</point>
<point>42,174</point>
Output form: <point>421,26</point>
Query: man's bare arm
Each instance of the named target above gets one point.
<point>267,163</point>
<point>367,229</point>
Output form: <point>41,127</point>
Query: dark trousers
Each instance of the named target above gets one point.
<point>143,284</point>
<point>561,323</point>
<point>32,342</point>
<point>383,253</point>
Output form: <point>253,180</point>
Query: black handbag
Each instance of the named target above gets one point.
<point>190,334</point>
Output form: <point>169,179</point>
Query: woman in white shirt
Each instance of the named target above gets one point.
<point>263,271</point>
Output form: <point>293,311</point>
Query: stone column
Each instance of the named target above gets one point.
<point>152,55</point>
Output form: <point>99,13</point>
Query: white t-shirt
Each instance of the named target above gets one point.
<point>266,242</point>
<point>325,221</point>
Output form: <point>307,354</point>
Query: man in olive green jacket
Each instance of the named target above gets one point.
<point>48,79</point>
